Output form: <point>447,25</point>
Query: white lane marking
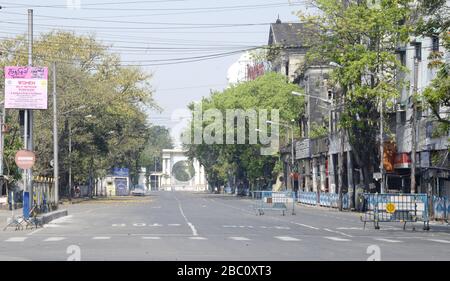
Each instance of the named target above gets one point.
<point>52,225</point>
<point>338,232</point>
<point>282,227</point>
<point>239,238</point>
<point>54,239</point>
<point>139,224</point>
<point>118,225</point>
<point>230,226</point>
<point>151,238</point>
<point>338,239</point>
<point>194,231</point>
<point>388,240</point>
<point>174,224</point>
<point>350,228</point>
<point>305,225</point>
<point>101,238</point>
<point>287,238</point>
<point>439,241</point>
<point>16,239</point>
<point>197,238</point>
<point>157,207</point>
<point>155,224</point>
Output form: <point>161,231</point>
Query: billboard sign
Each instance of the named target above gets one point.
<point>26,87</point>
<point>121,172</point>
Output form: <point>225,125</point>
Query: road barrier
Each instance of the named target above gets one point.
<point>441,208</point>
<point>309,198</point>
<point>324,199</point>
<point>274,201</point>
<point>402,208</point>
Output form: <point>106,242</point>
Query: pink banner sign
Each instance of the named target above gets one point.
<point>26,87</point>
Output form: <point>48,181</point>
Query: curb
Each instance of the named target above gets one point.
<point>46,218</point>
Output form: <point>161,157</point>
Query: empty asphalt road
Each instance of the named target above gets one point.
<point>172,226</point>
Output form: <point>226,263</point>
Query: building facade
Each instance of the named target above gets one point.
<point>181,174</point>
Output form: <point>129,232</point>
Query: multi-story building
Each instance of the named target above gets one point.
<point>320,142</point>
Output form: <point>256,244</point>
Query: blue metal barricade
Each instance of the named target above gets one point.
<point>309,198</point>
<point>441,208</point>
<point>325,199</point>
<point>273,200</point>
<point>402,208</point>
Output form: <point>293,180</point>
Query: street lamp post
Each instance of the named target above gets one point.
<point>291,128</point>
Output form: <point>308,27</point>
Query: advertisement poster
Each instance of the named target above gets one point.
<point>26,87</point>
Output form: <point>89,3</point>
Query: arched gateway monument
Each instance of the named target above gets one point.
<point>181,174</point>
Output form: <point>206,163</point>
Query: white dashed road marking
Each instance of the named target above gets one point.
<point>151,238</point>
<point>239,238</point>
<point>439,241</point>
<point>118,225</point>
<point>54,239</point>
<point>197,238</point>
<point>338,232</point>
<point>307,226</point>
<point>350,228</point>
<point>338,239</point>
<point>139,224</point>
<point>287,238</point>
<point>174,224</point>
<point>101,238</point>
<point>16,239</point>
<point>388,240</point>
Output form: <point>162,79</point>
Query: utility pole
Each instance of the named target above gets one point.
<point>70,161</point>
<point>341,164</point>
<point>28,119</point>
<point>55,139</point>
<point>382,188</point>
<point>292,158</point>
<point>2,137</point>
<point>413,127</point>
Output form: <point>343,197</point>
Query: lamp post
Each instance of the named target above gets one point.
<point>292,146</point>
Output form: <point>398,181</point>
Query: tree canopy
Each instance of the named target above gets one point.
<point>101,104</point>
<point>244,161</point>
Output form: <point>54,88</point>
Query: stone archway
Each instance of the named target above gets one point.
<point>179,173</point>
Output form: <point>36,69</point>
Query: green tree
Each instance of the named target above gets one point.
<point>223,162</point>
<point>103,102</point>
<point>362,36</point>
<point>434,21</point>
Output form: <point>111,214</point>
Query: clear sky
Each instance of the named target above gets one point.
<point>205,35</point>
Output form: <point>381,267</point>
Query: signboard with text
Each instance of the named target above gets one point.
<point>26,87</point>
<point>121,172</point>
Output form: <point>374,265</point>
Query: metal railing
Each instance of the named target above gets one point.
<point>283,201</point>
<point>401,208</point>
<point>324,199</point>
